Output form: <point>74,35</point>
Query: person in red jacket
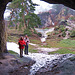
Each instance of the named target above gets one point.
<point>21,46</point>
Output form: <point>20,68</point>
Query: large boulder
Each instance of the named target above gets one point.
<point>63,65</point>
<point>14,65</point>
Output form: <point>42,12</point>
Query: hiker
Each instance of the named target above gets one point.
<point>26,39</point>
<point>21,46</point>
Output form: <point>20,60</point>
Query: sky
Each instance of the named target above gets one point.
<point>43,6</point>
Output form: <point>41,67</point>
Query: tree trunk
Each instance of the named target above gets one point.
<point>25,25</point>
<point>3,48</point>
<point>2,37</point>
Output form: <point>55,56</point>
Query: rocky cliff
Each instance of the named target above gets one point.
<point>51,17</point>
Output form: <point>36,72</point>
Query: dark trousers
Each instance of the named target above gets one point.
<point>26,49</point>
<point>21,52</point>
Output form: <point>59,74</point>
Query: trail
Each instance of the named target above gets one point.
<point>43,50</point>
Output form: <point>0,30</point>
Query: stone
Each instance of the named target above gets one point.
<point>60,66</point>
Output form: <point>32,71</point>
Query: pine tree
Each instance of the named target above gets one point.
<point>22,12</point>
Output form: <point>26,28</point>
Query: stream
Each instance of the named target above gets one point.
<point>44,33</point>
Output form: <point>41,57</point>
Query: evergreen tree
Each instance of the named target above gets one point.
<point>33,19</point>
<point>23,13</point>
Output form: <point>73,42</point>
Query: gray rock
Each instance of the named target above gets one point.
<point>64,65</point>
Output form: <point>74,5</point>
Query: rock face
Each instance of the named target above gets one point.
<point>14,65</point>
<point>44,18</point>
<point>47,18</point>
<point>52,18</point>
<point>60,66</point>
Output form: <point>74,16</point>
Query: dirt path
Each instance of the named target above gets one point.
<point>44,50</point>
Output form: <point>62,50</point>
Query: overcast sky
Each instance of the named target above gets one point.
<point>43,6</point>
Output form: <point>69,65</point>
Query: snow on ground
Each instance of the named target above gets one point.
<point>50,30</point>
<point>40,58</point>
<point>33,44</point>
<point>13,46</point>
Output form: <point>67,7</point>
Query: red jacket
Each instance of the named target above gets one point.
<point>21,44</point>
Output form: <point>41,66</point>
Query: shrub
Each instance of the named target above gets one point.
<point>39,34</point>
<point>35,31</point>
<point>64,34</point>
<point>72,34</point>
<point>62,28</point>
<point>72,18</point>
<point>27,32</point>
<point>56,28</point>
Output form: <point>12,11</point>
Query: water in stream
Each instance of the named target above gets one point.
<point>44,33</point>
